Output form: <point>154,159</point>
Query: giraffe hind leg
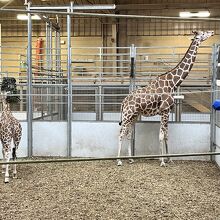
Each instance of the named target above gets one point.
<point>7,158</point>
<point>14,155</point>
<point>3,166</point>
<point>129,135</point>
<point>14,165</point>
<point>123,133</point>
<point>162,143</point>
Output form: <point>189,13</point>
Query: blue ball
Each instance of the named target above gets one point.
<point>216,104</point>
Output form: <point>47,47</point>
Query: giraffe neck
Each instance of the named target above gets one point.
<point>6,109</point>
<point>181,71</point>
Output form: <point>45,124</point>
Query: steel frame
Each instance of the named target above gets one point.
<point>69,12</point>
<point>40,11</point>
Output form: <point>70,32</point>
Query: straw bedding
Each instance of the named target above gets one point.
<point>101,190</point>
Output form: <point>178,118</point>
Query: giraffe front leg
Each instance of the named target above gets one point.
<point>169,159</point>
<point>161,138</point>
<point>14,166</point>
<point>119,162</point>
<point>3,166</point>
<point>129,147</point>
<point>129,152</point>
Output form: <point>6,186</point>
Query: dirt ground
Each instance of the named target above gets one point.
<point>101,190</point>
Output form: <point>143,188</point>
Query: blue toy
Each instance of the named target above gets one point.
<point>216,104</point>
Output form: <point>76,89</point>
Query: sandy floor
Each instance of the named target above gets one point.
<point>101,190</point>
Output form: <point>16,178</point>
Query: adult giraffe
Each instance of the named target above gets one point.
<point>157,97</point>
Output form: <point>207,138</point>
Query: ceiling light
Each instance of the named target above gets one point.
<point>25,17</point>
<point>4,0</point>
<point>187,14</point>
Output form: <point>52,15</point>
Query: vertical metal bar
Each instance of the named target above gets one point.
<point>47,70</point>
<point>51,73</point>
<point>21,98</point>
<point>101,69</point>
<point>69,111</point>
<point>60,75</point>
<point>100,113</point>
<point>50,47</point>
<point>132,69</point>
<point>215,58</point>
<point>29,86</point>
<point>178,107</point>
<point>56,89</point>
<point>131,88</point>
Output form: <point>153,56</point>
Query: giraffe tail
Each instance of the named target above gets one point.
<point>122,105</point>
<point>14,153</point>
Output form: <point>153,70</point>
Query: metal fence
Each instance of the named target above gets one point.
<point>100,78</point>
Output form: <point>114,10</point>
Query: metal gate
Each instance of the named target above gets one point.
<point>215,119</point>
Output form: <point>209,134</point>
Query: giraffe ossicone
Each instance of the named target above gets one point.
<point>157,97</point>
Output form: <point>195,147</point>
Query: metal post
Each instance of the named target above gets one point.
<point>178,107</point>
<point>131,88</point>
<point>29,87</point>
<point>50,68</point>
<point>58,73</point>
<point>69,111</point>
<point>100,101</point>
<point>47,71</point>
<point>215,59</point>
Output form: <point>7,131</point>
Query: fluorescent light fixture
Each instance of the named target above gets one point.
<point>200,14</point>
<point>203,14</point>
<point>25,17</point>
<point>4,0</point>
<point>93,7</point>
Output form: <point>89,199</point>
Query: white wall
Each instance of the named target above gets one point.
<point>217,158</point>
<point>49,138</point>
<point>100,139</point>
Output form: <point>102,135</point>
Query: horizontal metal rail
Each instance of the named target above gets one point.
<point>108,158</point>
<point>105,15</point>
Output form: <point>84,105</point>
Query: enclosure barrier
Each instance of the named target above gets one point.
<point>110,158</point>
<point>64,77</point>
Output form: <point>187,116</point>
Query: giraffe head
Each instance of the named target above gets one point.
<point>202,35</point>
<point>9,89</point>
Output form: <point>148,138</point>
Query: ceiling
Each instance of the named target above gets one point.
<point>153,7</point>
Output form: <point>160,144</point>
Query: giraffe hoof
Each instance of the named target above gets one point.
<point>14,176</point>
<point>6,179</point>
<point>131,161</point>
<point>119,163</point>
<point>162,164</point>
<point>170,161</point>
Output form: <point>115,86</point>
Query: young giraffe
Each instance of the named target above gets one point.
<point>157,97</point>
<point>10,128</point>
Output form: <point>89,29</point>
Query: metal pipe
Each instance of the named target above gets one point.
<point>76,7</point>
<point>215,61</point>
<point>106,15</point>
<point>108,158</point>
<point>29,87</point>
<point>178,106</point>
<point>131,88</point>
<point>69,106</point>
